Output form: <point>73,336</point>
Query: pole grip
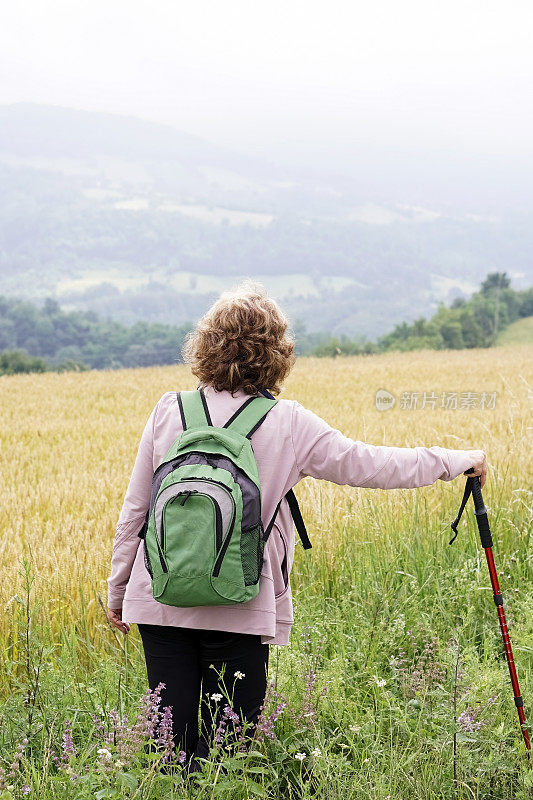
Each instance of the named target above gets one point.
<point>481,513</point>
<point>476,494</point>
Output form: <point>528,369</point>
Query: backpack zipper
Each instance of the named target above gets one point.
<point>222,553</point>
<point>218,513</point>
<point>211,480</point>
<point>161,558</point>
<point>176,463</point>
<point>147,563</point>
<point>217,509</point>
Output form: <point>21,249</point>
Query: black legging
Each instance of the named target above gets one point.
<point>181,658</point>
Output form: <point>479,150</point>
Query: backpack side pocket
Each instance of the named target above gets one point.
<point>252,549</point>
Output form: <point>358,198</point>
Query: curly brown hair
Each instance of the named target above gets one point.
<point>241,342</point>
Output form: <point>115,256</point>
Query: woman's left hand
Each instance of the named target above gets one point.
<point>479,466</point>
<point>114,616</point>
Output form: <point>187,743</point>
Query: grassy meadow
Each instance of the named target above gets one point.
<point>519,332</point>
<point>395,682</point>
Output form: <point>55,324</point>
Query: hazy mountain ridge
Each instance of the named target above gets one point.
<point>94,201</point>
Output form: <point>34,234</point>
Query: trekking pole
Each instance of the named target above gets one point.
<point>473,487</point>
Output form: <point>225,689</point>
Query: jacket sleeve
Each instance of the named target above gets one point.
<point>131,518</point>
<point>324,452</point>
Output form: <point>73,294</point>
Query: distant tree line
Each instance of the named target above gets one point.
<point>36,339</point>
<point>466,323</point>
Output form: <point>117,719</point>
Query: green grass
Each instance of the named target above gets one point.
<point>519,332</point>
<point>396,605</point>
<point>395,679</point>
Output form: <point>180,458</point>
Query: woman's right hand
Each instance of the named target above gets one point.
<point>479,466</point>
<point>114,616</point>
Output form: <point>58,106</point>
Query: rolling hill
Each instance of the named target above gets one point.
<point>519,332</point>
<point>137,220</point>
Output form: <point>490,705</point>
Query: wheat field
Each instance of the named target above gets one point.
<point>397,628</point>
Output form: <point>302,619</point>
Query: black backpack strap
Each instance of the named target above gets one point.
<point>268,528</point>
<point>297,517</point>
<point>142,532</point>
<point>294,508</point>
<point>250,415</point>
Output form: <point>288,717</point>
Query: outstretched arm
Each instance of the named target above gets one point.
<point>324,452</point>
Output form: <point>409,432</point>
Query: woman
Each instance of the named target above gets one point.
<point>240,347</point>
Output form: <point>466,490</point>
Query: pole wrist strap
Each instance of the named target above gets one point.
<point>466,495</point>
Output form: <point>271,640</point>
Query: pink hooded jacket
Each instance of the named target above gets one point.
<point>291,443</point>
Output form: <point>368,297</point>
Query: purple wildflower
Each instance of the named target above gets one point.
<point>467,720</point>
<point>98,725</point>
<point>231,713</point>
<point>128,738</point>
<point>308,712</point>
<point>219,733</point>
<point>68,744</point>
<point>148,718</point>
<point>265,725</point>
<point>165,734</point>
<point>228,714</point>
<point>15,764</point>
<point>426,673</point>
<point>119,728</point>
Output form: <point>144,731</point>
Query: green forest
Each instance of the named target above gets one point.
<point>39,339</point>
<point>476,322</point>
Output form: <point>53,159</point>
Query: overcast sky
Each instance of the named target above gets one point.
<point>284,74</point>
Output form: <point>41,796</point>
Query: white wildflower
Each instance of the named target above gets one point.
<point>398,624</point>
<point>239,675</point>
<point>344,746</point>
<point>216,697</point>
<point>316,752</point>
<point>355,728</point>
<point>118,763</point>
<point>300,756</point>
<point>103,751</point>
<point>381,682</point>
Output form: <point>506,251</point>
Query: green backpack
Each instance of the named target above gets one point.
<point>203,536</point>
